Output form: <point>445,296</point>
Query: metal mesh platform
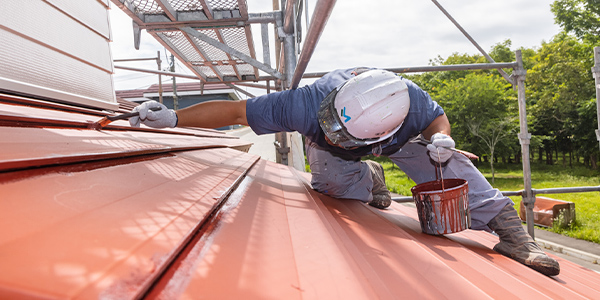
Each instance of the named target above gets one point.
<point>154,7</point>
<point>209,36</point>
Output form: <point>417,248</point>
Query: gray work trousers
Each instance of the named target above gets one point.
<point>350,179</point>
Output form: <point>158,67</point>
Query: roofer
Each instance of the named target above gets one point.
<point>348,114</point>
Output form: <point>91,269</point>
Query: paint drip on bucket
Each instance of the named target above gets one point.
<point>443,206</point>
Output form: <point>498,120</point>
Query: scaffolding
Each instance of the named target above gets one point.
<point>213,39</point>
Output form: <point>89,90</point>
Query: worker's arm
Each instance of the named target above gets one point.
<point>210,114</point>
<point>213,114</point>
<point>439,125</point>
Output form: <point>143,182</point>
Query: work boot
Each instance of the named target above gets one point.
<point>518,244</point>
<point>381,196</point>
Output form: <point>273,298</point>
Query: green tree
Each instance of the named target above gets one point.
<point>560,79</point>
<point>437,82</point>
<point>432,81</point>
<point>580,17</point>
<point>587,142</point>
<point>501,52</point>
<point>492,133</point>
<point>475,99</point>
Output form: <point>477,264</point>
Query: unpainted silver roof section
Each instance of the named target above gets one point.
<point>211,37</point>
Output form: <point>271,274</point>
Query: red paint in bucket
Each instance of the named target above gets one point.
<point>443,208</point>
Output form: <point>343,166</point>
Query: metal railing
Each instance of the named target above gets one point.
<point>562,190</point>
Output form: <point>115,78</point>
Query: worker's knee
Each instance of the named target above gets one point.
<point>336,176</point>
<point>333,184</point>
<point>350,182</point>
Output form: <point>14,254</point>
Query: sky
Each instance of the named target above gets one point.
<point>381,33</point>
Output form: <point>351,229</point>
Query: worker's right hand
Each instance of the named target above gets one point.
<point>439,149</point>
<point>151,117</point>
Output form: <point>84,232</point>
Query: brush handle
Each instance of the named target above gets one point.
<point>470,155</point>
<point>129,115</point>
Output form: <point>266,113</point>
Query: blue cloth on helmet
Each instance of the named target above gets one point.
<point>296,110</point>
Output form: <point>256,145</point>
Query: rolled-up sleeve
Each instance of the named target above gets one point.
<point>289,110</point>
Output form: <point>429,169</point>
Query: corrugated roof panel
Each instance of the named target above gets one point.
<point>346,249</point>
<point>244,256</point>
<point>126,213</point>
<point>15,114</point>
<point>180,141</point>
<point>251,254</point>
<point>106,232</point>
<point>23,101</point>
<point>29,147</point>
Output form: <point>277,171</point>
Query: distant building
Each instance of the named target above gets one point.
<point>188,94</point>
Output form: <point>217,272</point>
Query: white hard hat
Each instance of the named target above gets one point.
<point>367,109</point>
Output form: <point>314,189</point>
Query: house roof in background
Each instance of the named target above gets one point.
<point>191,87</point>
<point>186,88</point>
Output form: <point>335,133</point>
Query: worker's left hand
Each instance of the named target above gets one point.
<point>439,148</point>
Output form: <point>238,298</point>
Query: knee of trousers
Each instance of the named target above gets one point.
<point>332,184</point>
<point>348,185</point>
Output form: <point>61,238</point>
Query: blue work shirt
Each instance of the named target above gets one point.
<point>296,110</point>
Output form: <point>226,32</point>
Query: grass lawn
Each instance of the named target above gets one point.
<point>509,177</point>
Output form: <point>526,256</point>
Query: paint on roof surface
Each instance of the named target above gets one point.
<point>184,214</point>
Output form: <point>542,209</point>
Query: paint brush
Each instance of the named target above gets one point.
<point>108,119</point>
<point>469,155</point>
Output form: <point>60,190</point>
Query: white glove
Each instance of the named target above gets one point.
<point>156,119</point>
<point>439,148</point>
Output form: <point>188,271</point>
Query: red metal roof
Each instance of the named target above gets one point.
<point>128,94</point>
<point>181,214</point>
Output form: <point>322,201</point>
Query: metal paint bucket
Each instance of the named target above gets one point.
<point>443,206</point>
